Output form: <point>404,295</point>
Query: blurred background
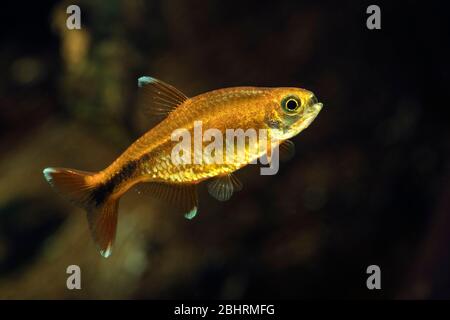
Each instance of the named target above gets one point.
<point>369,183</point>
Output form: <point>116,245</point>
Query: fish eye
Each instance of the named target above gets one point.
<point>291,104</point>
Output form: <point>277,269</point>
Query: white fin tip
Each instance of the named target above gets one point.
<point>106,253</point>
<point>191,214</point>
<point>48,173</point>
<point>142,81</point>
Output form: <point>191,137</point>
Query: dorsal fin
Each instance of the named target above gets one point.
<point>159,98</point>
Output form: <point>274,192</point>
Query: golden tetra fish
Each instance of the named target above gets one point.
<point>281,112</point>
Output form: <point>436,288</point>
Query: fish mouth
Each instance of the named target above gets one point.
<point>311,114</point>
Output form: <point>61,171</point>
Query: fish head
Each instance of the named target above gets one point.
<point>290,111</point>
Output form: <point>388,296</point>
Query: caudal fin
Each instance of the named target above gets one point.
<point>77,186</point>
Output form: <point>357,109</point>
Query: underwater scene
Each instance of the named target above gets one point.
<point>173,149</point>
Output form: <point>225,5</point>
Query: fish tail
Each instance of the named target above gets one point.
<point>81,188</point>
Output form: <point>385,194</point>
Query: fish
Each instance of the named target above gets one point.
<point>280,112</point>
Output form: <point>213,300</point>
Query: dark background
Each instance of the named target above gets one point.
<point>369,183</point>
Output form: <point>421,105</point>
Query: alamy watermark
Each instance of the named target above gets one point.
<point>74,280</point>
<point>74,19</point>
<point>238,148</point>
<point>374,20</point>
<point>374,280</point>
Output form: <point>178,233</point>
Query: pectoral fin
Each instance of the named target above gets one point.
<point>222,187</point>
<point>287,150</point>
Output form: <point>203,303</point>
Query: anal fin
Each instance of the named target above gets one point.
<point>182,196</point>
